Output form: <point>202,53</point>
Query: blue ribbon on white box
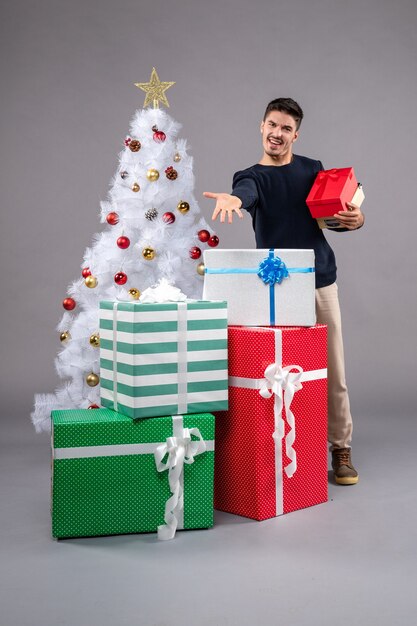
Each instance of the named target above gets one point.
<point>272,270</point>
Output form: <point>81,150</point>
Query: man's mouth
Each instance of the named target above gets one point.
<point>275,142</point>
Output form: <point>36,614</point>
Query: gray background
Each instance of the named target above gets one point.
<point>67,96</point>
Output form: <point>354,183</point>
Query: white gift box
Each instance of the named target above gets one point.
<point>274,287</point>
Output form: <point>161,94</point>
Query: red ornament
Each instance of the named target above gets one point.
<point>120,278</point>
<point>123,242</point>
<point>112,218</point>
<point>213,241</point>
<point>168,217</point>
<point>195,252</point>
<point>159,136</point>
<point>94,406</point>
<point>203,235</point>
<point>170,173</point>
<point>86,272</point>
<point>128,140</point>
<point>69,304</point>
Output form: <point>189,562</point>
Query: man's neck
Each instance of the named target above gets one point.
<point>278,161</point>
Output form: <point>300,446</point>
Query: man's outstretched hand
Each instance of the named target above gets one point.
<point>225,204</point>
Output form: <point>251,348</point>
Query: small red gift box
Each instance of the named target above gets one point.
<point>271,445</point>
<point>330,191</point>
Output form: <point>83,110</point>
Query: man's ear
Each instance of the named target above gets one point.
<point>295,136</point>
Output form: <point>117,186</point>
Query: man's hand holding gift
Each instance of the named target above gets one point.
<point>352,218</point>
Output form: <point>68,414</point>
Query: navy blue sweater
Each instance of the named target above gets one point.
<point>275,197</point>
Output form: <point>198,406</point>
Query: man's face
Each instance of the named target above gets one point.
<point>278,134</point>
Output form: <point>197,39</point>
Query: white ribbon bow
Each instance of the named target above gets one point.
<point>277,380</point>
<point>180,450</point>
<point>163,291</point>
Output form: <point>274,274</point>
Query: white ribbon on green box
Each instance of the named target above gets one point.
<point>182,357</point>
<point>283,383</point>
<point>179,449</point>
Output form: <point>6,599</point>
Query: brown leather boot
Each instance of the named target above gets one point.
<point>343,470</point>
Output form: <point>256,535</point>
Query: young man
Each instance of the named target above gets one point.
<point>274,193</point>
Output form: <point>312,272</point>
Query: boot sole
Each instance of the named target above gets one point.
<point>351,480</point>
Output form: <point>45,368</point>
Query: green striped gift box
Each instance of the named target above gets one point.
<point>163,359</point>
<point>105,479</point>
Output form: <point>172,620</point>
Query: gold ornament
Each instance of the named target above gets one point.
<point>91,281</point>
<point>135,187</point>
<point>152,175</point>
<point>155,91</point>
<point>65,336</point>
<point>200,269</point>
<point>177,157</point>
<point>92,380</point>
<point>183,207</point>
<point>148,253</point>
<point>95,340</point>
<point>135,293</point>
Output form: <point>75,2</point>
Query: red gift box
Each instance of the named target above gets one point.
<point>271,445</point>
<point>330,191</point>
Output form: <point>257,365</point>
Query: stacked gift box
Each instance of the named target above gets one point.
<point>331,191</point>
<point>271,443</point>
<point>145,461</point>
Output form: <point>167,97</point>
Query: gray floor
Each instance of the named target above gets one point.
<point>349,561</point>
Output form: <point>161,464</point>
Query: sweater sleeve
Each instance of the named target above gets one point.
<point>244,188</point>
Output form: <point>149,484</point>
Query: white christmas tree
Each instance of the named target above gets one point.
<point>154,230</point>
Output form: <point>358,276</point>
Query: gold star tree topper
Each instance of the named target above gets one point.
<point>155,90</point>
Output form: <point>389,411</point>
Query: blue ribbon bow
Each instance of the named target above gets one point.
<point>272,270</point>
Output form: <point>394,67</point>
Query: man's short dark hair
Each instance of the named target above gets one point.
<point>286,105</point>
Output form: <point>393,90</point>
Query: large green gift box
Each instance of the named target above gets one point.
<point>163,359</point>
<point>114,475</point>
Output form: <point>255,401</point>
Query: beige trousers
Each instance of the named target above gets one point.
<point>340,419</point>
